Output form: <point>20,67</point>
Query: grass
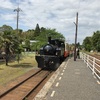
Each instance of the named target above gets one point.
<point>14,70</point>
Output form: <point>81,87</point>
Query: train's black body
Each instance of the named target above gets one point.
<point>51,54</point>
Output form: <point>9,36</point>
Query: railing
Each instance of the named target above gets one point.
<point>92,62</point>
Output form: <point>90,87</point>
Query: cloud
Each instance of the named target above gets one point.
<point>58,14</point>
<point>6,4</point>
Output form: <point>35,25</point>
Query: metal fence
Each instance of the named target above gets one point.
<point>92,62</point>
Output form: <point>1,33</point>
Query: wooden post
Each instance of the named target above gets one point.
<point>76,24</point>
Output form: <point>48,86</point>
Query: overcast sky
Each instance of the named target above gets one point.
<point>58,14</point>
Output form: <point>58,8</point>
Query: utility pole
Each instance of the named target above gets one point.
<point>76,24</point>
<point>17,10</point>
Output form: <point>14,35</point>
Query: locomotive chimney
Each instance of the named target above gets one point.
<point>49,40</point>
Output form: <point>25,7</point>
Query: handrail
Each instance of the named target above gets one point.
<point>92,62</point>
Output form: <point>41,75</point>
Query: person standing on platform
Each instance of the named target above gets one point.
<point>78,53</point>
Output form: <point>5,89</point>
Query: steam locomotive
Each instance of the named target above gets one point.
<point>51,54</point>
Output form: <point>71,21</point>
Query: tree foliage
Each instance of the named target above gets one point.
<point>93,42</point>
<point>41,38</point>
<point>37,30</point>
<point>44,34</point>
<point>11,40</point>
<point>87,43</point>
<point>96,41</point>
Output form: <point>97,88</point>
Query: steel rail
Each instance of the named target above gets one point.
<point>6,92</point>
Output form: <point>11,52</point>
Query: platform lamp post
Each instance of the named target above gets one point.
<point>76,24</point>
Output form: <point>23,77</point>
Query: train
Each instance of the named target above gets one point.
<point>52,54</point>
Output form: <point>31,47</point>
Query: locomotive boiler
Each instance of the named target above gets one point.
<point>51,54</point>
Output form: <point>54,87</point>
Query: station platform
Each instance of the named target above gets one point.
<point>74,82</point>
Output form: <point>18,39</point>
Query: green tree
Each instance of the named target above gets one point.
<point>45,33</point>
<point>6,40</point>
<point>6,28</point>
<point>87,44</point>
<point>78,45</point>
<point>96,41</point>
<point>9,41</point>
<point>27,44</point>
<point>37,31</point>
<point>6,43</point>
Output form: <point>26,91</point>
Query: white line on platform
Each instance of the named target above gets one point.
<point>62,73</point>
<point>52,94</point>
<point>98,82</point>
<point>57,84</point>
<point>60,78</point>
<point>63,70</point>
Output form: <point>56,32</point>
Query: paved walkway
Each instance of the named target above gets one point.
<point>75,82</point>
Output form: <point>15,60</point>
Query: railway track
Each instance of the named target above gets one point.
<point>23,89</point>
<point>95,55</point>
